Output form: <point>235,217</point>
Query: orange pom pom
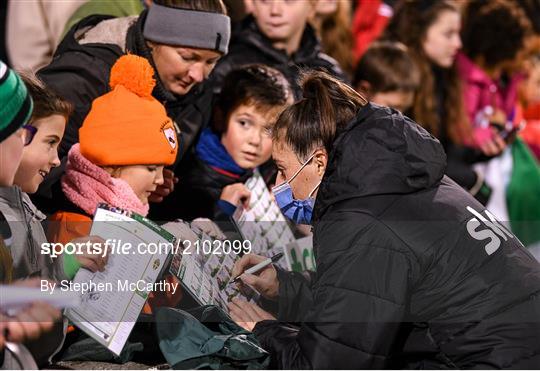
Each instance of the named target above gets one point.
<point>135,74</point>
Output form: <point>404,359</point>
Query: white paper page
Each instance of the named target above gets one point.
<point>120,307</point>
<point>264,224</point>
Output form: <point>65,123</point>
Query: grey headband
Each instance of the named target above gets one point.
<point>191,28</point>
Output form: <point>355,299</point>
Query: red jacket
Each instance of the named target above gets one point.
<point>370,20</point>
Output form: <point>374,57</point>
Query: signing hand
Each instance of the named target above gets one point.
<point>265,282</point>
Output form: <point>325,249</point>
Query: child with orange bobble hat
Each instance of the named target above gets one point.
<point>124,143</point>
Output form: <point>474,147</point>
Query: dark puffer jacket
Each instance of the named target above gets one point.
<point>411,270</point>
<point>80,70</point>
<point>248,45</point>
<point>200,189</point>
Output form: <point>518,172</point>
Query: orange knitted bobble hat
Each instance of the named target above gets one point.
<point>127,126</point>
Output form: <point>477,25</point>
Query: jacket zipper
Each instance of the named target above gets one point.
<point>33,252</point>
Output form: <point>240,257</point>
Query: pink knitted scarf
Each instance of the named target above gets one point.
<point>87,185</point>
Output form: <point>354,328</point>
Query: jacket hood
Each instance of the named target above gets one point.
<point>247,32</point>
<point>380,152</point>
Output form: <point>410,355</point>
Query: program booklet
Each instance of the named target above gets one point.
<point>204,265</point>
<point>263,223</point>
<point>112,300</point>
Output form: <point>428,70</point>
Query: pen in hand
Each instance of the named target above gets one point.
<point>258,267</point>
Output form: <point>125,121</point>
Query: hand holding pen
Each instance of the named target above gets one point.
<point>264,280</point>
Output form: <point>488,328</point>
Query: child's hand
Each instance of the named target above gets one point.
<point>489,123</point>
<point>236,194</point>
<point>494,146</point>
<point>169,180</point>
<point>30,322</point>
<point>88,260</point>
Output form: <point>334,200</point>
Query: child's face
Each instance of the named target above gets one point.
<point>180,69</point>
<point>282,20</point>
<point>442,40</point>
<point>399,100</point>
<point>11,150</point>
<point>40,156</point>
<point>143,179</point>
<point>247,139</point>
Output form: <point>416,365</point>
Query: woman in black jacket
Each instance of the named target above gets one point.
<point>411,270</point>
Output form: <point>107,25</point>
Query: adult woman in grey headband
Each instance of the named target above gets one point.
<point>182,39</point>
<point>198,37</point>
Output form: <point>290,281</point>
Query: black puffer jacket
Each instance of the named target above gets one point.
<point>79,72</point>
<point>200,189</point>
<point>248,45</point>
<point>411,270</point>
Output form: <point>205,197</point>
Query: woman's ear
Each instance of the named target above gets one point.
<point>321,160</point>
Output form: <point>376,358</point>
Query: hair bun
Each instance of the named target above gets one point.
<point>314,85</point>
<point>135,74</point>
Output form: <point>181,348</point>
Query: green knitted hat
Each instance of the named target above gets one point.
<point>15,102</point>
